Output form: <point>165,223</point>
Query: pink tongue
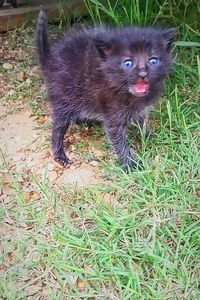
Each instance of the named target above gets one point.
<point>140,87</point>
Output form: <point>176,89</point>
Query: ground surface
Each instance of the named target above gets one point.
<point>91,231</point>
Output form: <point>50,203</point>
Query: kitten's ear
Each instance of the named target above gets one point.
<point>103,47</point>
<point>167,37</point>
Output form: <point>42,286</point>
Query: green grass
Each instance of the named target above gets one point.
<point>125,12</point>
<point>145,243</point>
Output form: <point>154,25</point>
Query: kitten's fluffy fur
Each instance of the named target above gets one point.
<point>86,79</point>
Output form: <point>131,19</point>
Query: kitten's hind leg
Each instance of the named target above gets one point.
<point>58,132</point>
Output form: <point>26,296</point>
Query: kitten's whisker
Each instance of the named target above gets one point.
<point>120,88</point>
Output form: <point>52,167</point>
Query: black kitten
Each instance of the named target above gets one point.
<point>111,75</point>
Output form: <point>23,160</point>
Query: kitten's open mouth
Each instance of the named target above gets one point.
<point>139,89</point>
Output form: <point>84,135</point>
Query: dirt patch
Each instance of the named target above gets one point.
<point>16,132</point>
<point>84,175</point>
<point>25,148</point>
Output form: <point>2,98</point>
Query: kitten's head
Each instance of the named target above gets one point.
<point>135,59</point>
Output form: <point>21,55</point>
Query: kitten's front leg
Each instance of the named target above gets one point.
<point>117,133</point>
<point>141,122</point>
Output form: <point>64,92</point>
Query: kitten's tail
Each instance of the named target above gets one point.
<point>42,38</point>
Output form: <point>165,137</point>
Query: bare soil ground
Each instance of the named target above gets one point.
<point>27,150</point>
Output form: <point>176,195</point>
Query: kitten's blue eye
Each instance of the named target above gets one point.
<point>128,64</point>
<point>153,61</point>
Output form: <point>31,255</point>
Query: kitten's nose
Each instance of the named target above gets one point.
<point>142,74</point>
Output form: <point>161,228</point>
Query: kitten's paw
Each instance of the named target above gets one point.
<point>131,164</point>
<point>150,134</point>
<point>136,166</point>
<point>62,159</point>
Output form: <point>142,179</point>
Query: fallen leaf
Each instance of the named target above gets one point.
<point>80,284</point>
<point>31,196</point>
<point>70,139</point>
<point>45,153</point>
<point>35,196</point>
<point>50,215</point>
<point>59,166</point>
<point>97,152</point>
<point>8,259</point>
<point>106,197</point>
<point>28,80</point>
<point>27,197</point>
<point>11,256</point>
<point>7,190</point>
<point>41,120</point>
<point>21,76</point>
<point>5,177</point>
<point>32,114</point>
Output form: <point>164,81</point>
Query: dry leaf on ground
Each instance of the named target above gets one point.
<point>31,196</point>
<point>41,120</point>
<point>80,284</point>
<point>21,76</point>
<point>106,197</point>
<point>59,166</point>
<point>50,215</point>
